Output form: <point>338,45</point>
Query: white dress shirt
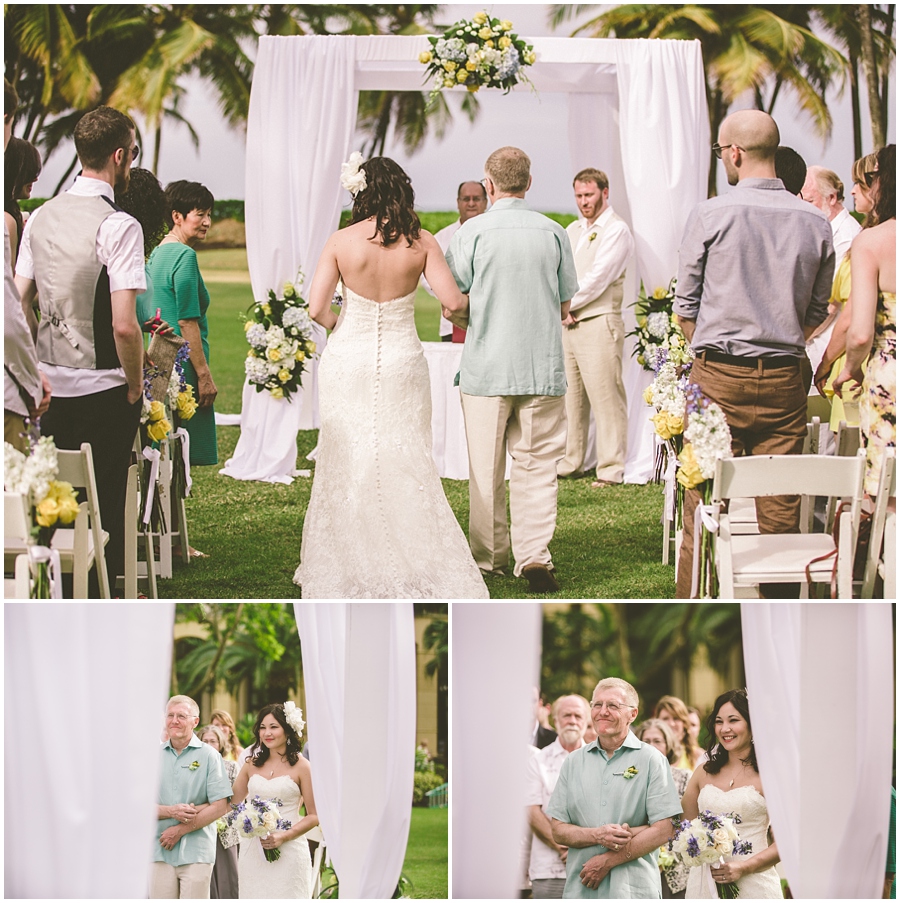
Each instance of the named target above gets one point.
<point>443,239</point>
<point>616,246</point>
<point>844,228</point>
<point>541,775</point>
<point>120,248</point>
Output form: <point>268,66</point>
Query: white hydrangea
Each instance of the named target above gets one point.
<point>274,337</point>
<point>451,49</point>
<point>296,317</point>
<point>708,433</point>
<point>31,476</point>
<point>257,370</point>
<point>13,468</point>
<point>256,335</point>
<point>509,63</point>
<point>658,324</point>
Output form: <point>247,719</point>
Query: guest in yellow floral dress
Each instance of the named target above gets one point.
<point>873,323</point>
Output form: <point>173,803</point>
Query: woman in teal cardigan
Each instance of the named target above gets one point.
<point>181,296</point>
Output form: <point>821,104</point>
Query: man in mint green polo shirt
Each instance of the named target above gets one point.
<point>193,792</point>
<point>517,267</point>
<point>613,804</point>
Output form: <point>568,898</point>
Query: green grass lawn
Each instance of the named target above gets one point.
<point>607,543</point>
<point>426,854</point>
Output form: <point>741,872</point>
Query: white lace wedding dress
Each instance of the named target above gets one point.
<point>750,805</point>
<point>378,525</point>
<point>288,877</point>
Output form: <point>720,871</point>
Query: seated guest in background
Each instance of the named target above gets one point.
<point>674,712</point>
<point>181,296</point>
<point>658,733</point>
<point>594,333</point>
<point>223,884</point>
<point>824,189</point>
<point>471,201</point>
<point>873,323</point>
<point>790,167</point>
<point>547,869</point>
<point>832,361</point>
<point>21,168</point>
<point>754,277</point>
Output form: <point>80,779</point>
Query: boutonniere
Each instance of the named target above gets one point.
<point>591,237</point>
<point>194,765</point>
<point>628,774</point>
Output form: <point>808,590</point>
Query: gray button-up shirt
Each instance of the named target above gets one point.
<point>755,266</point>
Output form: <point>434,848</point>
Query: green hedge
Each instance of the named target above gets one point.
<point>423,781</point>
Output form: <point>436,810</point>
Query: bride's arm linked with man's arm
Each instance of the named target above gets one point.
<point>204,816</point>
<point>454,304</point>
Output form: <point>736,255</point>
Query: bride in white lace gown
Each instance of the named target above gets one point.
<point>276,770</point>
<point>378,523</point>
<point>729,783</point>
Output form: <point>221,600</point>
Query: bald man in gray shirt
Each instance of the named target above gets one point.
<point>754,277</point>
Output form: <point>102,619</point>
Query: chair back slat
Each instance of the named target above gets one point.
<point>767,475</point>
<point>16,522</point>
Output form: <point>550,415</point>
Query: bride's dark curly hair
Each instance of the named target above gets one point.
<point>259,752</point>
<point>389,197</point>
<point>718,757</point>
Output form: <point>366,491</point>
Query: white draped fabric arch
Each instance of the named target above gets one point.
<point>820,678</point>
<point>637,108</point>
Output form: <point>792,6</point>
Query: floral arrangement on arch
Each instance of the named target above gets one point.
<point>279,332</point>
<point>657,329</point>
<point>481,53</point>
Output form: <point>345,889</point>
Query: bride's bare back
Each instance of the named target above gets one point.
<point>379,272</point>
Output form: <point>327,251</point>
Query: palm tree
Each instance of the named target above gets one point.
<point>760,49</point>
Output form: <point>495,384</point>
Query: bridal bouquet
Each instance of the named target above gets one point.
<point>258,818</point>
<point>50,502</point>
<point>279,332</point>
<point>481,53</point>
<point>657,330</point>
<point>707,840</point>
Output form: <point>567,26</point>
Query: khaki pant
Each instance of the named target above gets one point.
<point>766,413</point>
<point>533,427</point>
<point>593,354</point>
<point>14,431</point>
<point>180,882</point>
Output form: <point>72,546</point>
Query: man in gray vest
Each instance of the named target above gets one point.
<point>594,334</point>
<point>83,258</point>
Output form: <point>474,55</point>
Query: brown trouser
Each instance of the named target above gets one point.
<point>766,412</point>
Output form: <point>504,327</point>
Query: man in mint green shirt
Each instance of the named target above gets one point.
<point>613,804</point>
<point>193,792</point>
<point>517,267</point>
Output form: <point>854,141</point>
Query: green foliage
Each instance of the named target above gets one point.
<point>244,729</point>
<point>423,781</point>
<point>232,209</point>
<point>437,640</point>
<point>423,763</point>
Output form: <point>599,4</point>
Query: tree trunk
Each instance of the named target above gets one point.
<point>717,110</point>
<point>157,143</point>
<point>854,102</point>
<point>209,679</point>
<point>885,80</point>
<point>876,108</point>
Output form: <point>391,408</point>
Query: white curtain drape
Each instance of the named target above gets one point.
<point>85,690</point>
<point>638,112</point>
<point>360,677</point>
<point>300,123</point>
<point>820,677</point>
<point>495,664</point>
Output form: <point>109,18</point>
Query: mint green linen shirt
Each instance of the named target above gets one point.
<point>517,267</point>
<point>179,784</point>
<point>592,791</point>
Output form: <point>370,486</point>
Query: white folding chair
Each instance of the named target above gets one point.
<point>882,557</point>
<point>135,569</point>
<point>84,547</point>
<point>316,835</point>
<point>848,443</point>
<point>16,529</point>
<point>751,560</point>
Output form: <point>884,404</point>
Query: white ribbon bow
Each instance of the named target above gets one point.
<point>703,516</point>
<point>42,555</point>
<point>152,455</point>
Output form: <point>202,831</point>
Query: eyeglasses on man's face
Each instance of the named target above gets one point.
<point>612,707</point>
<point>718,148</point>
<point>135,152</point>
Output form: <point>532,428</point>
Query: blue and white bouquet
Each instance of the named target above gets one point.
<point>707,840</point>
<point>258,818</point>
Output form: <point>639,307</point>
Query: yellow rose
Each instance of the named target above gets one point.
<point>530,57</point>
<point>300,355</point>
<point>471,66</point>
<point>489,44</point>
<point>284,374</point>
<point>310,346</point>
<point>247,325</point>
<point>480,18</point>
<point>251,353</point>
<point>158,429</point>
<point>648,394</point>
<point>48,512</point>
<point>65,497</point>
<point>504,42</point>
<point>659,293</point>
<point>688,474</point>
<point>472,88</point>
<point>157,411</point>
<point>505,25</point>
<point>277,392</point>
<point>425,56</point>
<point>485,33</point>
<point>267,309</point>
<point>668,425</point>
<point>274,355</point>
<point>185,404</point>
<point>641,321</point>
<point>449,81</point>
<point>462,75</point>
<point>674,424</point>
<point>289,290</point>
<point>450,66</point>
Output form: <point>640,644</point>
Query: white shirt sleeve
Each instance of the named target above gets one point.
<point>616,246</point>
<point>534,782</point>
<point>25,262</point>
<point>120,246</point>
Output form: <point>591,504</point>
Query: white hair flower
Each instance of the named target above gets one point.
<point>352,178</point>
<point>294,717</point>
